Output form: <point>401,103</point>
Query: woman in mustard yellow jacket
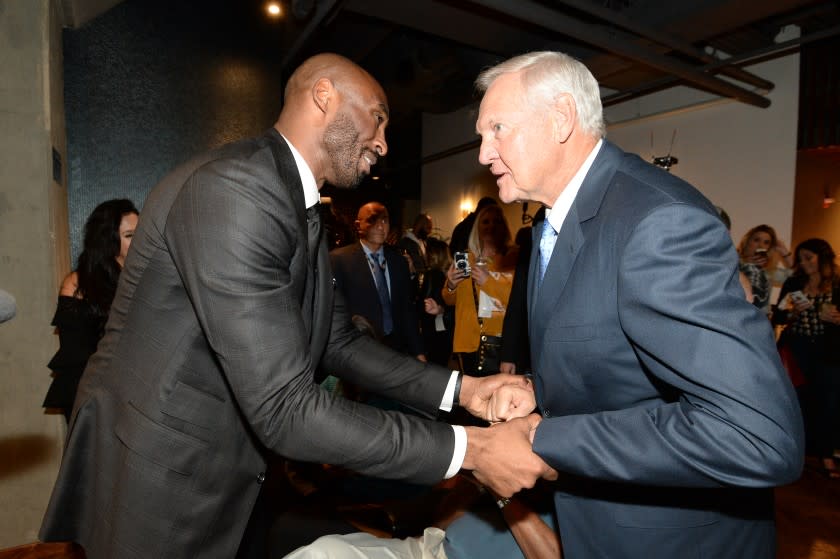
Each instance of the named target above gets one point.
<point>479,287</point>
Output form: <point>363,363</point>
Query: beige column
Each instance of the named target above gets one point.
<point>34,255</point>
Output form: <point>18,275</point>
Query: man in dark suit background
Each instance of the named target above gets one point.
<point>224,310</point>
<point>356,269</point>
<point>664,408</point>
<point>414,243</point>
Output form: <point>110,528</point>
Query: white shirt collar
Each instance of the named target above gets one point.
<point>556,215</point>
<point>311,196</point>
<point>380,254</point>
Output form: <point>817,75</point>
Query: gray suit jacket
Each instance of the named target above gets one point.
<point>218,324</point>
<point>666,408</point>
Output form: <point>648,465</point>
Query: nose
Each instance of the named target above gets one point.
<point>380,146</point>
<point>486,153</point>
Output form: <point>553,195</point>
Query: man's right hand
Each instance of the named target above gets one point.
<point>484,397</point>
<point>501,457</point>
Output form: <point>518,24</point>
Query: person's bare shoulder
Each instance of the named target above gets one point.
<point>70,285</point>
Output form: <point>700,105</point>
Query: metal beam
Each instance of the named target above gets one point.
<point>323,9</point>
<point>754,56</point>
<point>534,13</point>
<point>666,39</point>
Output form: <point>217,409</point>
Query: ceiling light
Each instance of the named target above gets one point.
<point>274,9</point>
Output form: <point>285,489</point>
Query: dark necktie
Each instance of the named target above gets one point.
<point>382,289</point>
<point>313,222</point>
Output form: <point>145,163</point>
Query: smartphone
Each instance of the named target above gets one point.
<point>798,297</point>
<point>462,262</point>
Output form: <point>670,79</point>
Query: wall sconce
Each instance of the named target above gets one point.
<point>828,196</point>
<point>466,207</point>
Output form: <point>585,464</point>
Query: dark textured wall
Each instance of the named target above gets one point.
<point>151,83</point>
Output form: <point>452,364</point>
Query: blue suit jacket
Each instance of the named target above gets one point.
<point>666,409</point>
<point>354,279</point>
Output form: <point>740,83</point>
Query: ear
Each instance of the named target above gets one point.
<point>322,93</point>
<point>563,118</point>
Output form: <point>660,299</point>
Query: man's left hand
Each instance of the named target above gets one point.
<point>497,397</point>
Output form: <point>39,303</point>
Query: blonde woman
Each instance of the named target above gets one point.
<point>481,296</point>
<point>765,261</point>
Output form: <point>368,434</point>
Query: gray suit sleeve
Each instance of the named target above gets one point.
<point>732,418</point>
<point>231,233</point>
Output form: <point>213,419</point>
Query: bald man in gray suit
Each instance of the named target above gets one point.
<point>224,310</point>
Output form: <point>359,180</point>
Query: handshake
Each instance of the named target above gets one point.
<point>500,456</point>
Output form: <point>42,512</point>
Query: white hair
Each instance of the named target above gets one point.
<point>544,75</point>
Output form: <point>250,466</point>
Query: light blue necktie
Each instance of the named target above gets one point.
<point>382,290</point>
<point>547,240</point>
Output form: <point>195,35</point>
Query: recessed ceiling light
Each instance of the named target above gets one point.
<point>274,9</point>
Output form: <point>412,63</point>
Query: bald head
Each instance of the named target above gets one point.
<point>335,114</point>
<point>373,224</point>
<point>341,71</point>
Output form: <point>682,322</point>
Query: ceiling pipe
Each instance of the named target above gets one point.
<point>323,9</point>
<point>771,51</point>
<point>668,40</point>
<point>536,14</point>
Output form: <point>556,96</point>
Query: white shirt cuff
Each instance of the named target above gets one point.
<point>459,453</point>
<point>449,394</point>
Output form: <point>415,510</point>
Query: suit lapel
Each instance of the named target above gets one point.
<point>317,284</point>
<point>566,249</point>
<point>571,238</point>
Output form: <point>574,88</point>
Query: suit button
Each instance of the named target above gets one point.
<point>546,413</point>
<point>260,477</point>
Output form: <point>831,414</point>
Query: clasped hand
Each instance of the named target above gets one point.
<point>501,456</point>
<point>498,397</point>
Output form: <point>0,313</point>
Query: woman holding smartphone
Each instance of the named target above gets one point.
<point>808,309</point>
<point>765,261</point>
<point>479,288</point>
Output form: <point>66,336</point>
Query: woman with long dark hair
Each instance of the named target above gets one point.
<point>85,297</point>
<point>808,309</point>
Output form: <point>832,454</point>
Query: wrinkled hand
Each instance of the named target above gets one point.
<point>501,457</point>
<point>477,396</point>
<point>509,402</point>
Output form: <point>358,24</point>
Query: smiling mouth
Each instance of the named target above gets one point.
<point>369,158</point>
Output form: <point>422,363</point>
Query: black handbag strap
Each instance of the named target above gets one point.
<point>475,299</point>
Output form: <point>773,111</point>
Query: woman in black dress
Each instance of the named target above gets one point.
<point>85,297</point>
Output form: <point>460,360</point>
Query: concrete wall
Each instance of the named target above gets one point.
<point>741,157</point>
<point>34,255</point>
